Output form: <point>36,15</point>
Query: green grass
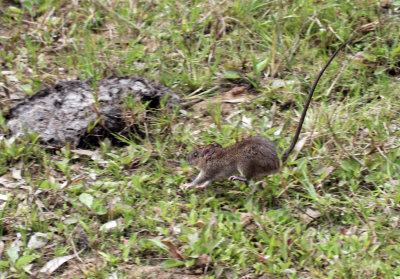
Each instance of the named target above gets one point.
<point>331,213</point>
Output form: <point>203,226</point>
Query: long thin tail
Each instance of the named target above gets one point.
<point>286,154</point>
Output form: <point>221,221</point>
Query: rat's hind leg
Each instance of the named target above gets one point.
<point>243,176</point>
<point>248,169</point>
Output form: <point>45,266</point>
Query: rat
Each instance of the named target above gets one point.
<point>252,157</point>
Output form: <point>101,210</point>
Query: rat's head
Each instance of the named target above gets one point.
<point>197,157</point>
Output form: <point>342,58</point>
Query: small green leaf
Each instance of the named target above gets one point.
<point>101,210</point>
<point>261,66</point>
<point>24,260</point>
<point>45,184</point>
<point>12,254</point>
<point>193,238</point>
<point>27,88</point>
<point>172,263</point>
<point>72,220</point>
<point>158,243</point>
<point>231,75</point>
<point>396,50</point>
<point>14,10</point>
<point>86,199</point>
<point>94,124</point>
<point>3,263</point>
<point>397,199</point>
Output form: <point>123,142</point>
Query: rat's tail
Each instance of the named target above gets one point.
<point>286,154</point>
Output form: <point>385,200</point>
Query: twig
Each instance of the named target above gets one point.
<point>333,31</point>
<point>76,253</point>
<point>384,151</point>
<point>305,213</point>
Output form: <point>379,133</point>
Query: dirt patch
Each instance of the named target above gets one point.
<point>157,272</point>
<point>129,271</point>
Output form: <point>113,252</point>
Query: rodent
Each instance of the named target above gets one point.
<point>251,158</point>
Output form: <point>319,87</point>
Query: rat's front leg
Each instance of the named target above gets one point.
<point>201,178</point>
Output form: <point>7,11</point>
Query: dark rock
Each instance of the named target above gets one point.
<point>63,113</point>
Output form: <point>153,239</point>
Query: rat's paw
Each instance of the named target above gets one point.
<point>233,178</point>
<point>203,186</point>
<point>186,186</point>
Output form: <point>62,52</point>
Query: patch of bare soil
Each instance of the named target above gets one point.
<point>131,271</point>
<point>157,272</point>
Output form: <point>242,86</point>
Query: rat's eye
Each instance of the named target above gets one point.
<point>195,154</point>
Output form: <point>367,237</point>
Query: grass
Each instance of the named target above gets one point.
<point>331,213</point>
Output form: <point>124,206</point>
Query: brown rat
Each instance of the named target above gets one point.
<point>251,158</point>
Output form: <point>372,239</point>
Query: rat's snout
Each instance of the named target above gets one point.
<point>191,157</point>
<point>188,159</point>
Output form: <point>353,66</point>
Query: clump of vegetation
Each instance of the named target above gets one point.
<point>332,212</point>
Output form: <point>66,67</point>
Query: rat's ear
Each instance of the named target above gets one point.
<point>210,149</point>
